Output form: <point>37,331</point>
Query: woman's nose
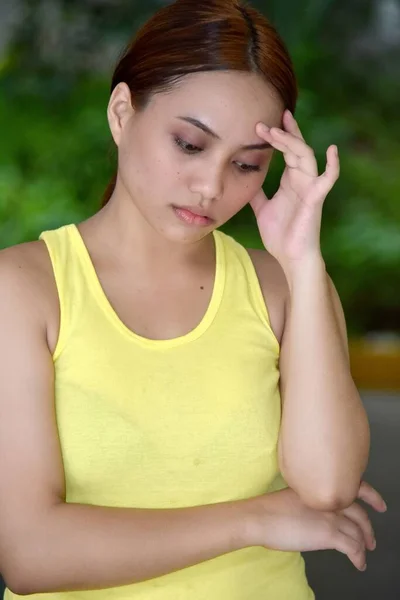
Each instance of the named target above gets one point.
<point>209,183</point>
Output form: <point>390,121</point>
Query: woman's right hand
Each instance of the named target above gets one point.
<point>281,521</point>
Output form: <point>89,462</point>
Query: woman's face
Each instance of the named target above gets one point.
<point>185,154</point>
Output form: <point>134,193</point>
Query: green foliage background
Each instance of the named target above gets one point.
<point>56,154</point>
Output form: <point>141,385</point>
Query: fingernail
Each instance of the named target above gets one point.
<point>373,544</point>
<point>385,506</point>
<point>364,568</point>
<point>264,127</point>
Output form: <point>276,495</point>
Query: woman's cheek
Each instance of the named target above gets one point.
<point>238,200</point>
<point>248,191</point>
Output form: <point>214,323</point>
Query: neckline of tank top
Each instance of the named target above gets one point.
<point>161,344</point>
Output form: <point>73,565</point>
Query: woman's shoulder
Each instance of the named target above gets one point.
<point>273,286</point>
<point>26,274</point>
<point>27,262</point>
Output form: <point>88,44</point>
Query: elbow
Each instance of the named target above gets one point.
<point>22,575</point>
<point>16,588</point>
<point>16,582</point>
<point>19,582</point>
<point>325,499</point>
<point>27,562</point>
<point>326,492</point>
<point>327,496</point>
<point>331,501</point>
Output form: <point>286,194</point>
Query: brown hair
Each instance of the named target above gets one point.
<point>192,36</point>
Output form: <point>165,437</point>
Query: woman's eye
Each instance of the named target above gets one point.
<point>186,147</point>
<point>192,149</point>
<point>248,168</point>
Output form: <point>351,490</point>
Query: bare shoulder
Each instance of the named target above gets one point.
<point>274,288</point>
<point>27,281</point>
<point>27,266</point>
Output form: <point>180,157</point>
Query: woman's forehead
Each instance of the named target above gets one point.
<point>225,96</point>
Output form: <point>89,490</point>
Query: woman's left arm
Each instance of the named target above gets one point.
<point>324,439</point>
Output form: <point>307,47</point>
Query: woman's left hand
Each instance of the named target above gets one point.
<point>290,222</point>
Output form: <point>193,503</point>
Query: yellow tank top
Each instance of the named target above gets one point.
<point>172,423</point>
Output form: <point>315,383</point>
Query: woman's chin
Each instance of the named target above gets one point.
<point>181,235</point>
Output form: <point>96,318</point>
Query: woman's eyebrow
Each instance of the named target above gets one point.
<point>203,127</point>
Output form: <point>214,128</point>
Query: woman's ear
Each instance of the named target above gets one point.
<point>119,110</point>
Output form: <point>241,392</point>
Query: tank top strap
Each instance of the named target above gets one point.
<point>69,275</point>
<point>242,280</point>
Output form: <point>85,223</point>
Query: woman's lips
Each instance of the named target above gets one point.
<point>190,217</point>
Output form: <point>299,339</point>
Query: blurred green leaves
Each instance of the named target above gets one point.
<point>55,158</point>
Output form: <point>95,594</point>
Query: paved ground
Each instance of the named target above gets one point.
<point>331,574</point>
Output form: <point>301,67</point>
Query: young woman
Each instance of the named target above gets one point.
<point>177,414</point>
